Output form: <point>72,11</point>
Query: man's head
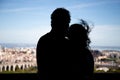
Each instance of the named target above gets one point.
<point>60,19</point>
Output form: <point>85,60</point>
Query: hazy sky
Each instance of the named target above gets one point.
<point>25,21</point>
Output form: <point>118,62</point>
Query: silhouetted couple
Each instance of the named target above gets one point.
<point>64,53</point>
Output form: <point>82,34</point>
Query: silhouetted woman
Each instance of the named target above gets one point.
<point>82,63</point>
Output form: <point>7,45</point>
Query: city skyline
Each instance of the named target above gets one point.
<point>25,21</point>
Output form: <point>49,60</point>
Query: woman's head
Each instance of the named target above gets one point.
<point>79,33</point>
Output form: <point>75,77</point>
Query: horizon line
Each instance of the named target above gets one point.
<point>36,44</point>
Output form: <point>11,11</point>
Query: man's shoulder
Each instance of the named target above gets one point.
<point>43,40</point>
<point>45,37</point>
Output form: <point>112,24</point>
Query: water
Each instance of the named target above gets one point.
<point>20,45</point>
<point>117,48</point>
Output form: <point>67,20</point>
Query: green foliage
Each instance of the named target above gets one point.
<point>111,70</point>
<point>28,70</point>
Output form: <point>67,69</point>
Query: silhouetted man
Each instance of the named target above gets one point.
<point>52,47</point>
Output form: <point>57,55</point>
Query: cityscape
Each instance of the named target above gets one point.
<point>23,60</point>
<point>106,60</point>
<point>18,60</point>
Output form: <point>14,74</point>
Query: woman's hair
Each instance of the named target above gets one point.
<point>80,32</point>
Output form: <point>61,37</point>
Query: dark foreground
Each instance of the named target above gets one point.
<point>34,76</point>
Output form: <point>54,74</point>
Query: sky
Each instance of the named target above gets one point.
<point>25,21</point>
